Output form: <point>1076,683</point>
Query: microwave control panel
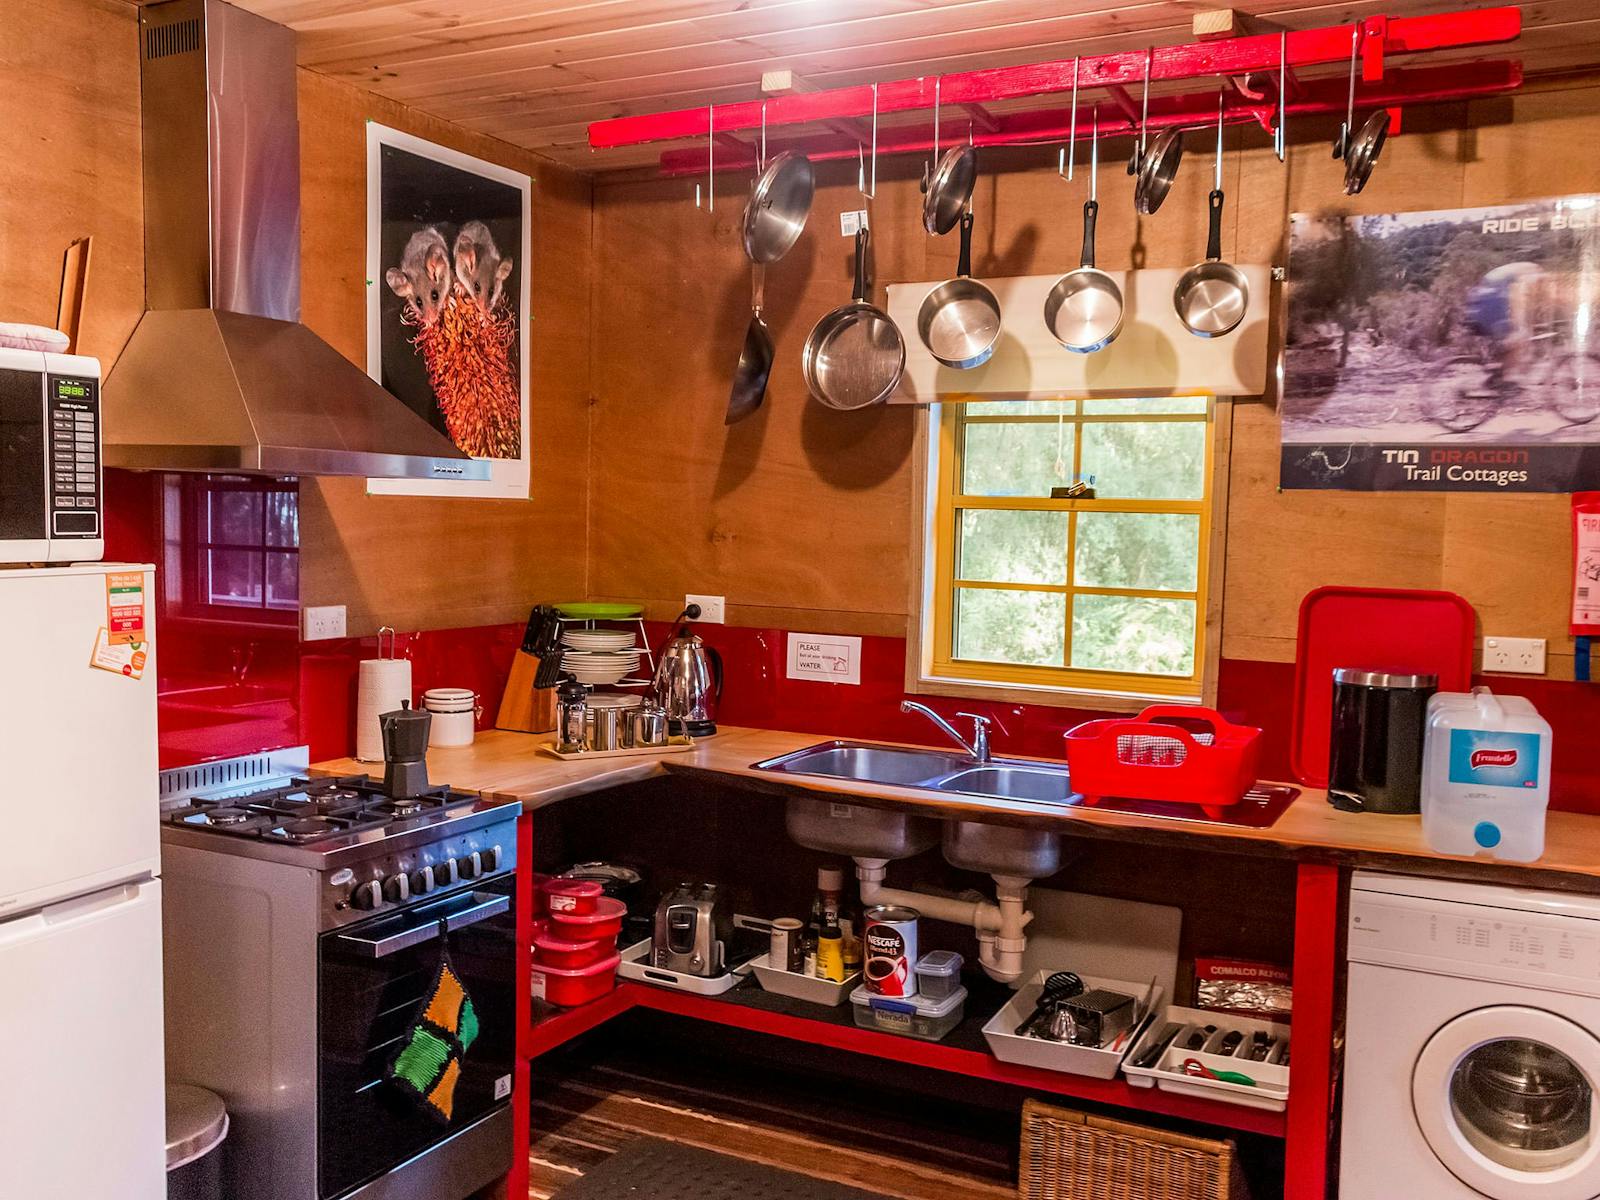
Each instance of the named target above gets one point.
<point>73,406</point>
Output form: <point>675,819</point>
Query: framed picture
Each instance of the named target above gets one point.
<point>448,243</point>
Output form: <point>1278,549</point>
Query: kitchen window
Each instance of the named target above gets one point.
<point>238,545</point>
<point>1081,597</point>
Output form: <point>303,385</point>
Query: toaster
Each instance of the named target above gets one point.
<point>693,930</point>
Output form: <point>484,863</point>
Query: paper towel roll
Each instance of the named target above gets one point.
<point>382,684</point>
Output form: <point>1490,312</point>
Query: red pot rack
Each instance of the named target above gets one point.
<point>1248,64</point>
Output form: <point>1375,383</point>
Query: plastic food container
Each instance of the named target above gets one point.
<point>939,974</point>
<point>912,1016</point>
<point>797,985</point>
<point>570,987</point>
<point>565,897</point>
<point>551,951</point>
<point>1155,756</point>
<point>604,923</point>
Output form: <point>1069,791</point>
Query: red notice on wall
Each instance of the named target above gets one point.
<point>1586,563</point>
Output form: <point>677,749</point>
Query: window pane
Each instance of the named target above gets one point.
<point>1132,633</point>
<point>1011,627</point>
<point>283,580</point>
<point>1155,404</point>
<point>1013,547</point>
<point>1026,459</point>
<point>283,518</point>
<point>1020,408</point>
<point>234,577</point>
<point>1162,460</point>
<point>235,517</point>
<point>1154,551</point>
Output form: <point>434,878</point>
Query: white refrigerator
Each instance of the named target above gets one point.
<point>82,1102</point>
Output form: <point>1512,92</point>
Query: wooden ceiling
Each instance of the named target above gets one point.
<point>536,72</point>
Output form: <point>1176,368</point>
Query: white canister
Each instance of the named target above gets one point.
<point>455,715</point>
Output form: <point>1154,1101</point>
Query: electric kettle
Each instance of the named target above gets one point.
<point>688,680</point>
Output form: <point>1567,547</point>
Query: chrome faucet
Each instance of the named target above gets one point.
<point>977,748</point>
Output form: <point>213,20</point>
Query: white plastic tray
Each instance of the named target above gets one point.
<point>799,986</point>
<point>1006,1045</point>
<point>1271,1091</point>
<point>636,965</point>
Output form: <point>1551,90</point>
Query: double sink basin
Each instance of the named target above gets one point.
<point>1001,779</point>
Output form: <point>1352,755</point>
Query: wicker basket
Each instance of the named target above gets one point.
<point>1069,1155</point>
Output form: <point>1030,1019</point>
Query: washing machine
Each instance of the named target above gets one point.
<point>1472,1063</point>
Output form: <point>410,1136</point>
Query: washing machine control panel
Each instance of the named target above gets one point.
<point>1537,949</point>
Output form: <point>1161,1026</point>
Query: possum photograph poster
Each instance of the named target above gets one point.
<point>448,239</point>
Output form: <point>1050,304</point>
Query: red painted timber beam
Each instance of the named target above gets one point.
<point>1418,85</point>
<point>1194,60</point>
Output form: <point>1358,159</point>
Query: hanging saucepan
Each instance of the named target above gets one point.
<point>1084,308</point>
<point>1157,169</point>
<point>855,355</point>
<point>755,356</point>
<point>959,321</point>
<point>1362,153</point>
<point>1212,296</point>
<point>948,186</point>
<point>779,204</point>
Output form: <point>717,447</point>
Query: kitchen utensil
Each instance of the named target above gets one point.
<point>1151,1054</point>
<point>572,714</point>
<point>1375,739</point>
<point>854,356</point>
<point>383,683</point>
<point>959,321</point>
<point>455,713</point>
<point>1141,1010</point>
<point>605,729</point>
<point>688,681</point>
<point>1198,1069</point>
<point>648,724</point>
<point>1157,169</point>
<point>1362,154</point>
<point>405,751</point>
<point>1094,1018</point>
<point>948,189</point>
<point>1084,307</point>
<point>693,930</point>
<point>755,357</point>
<point>1211,297</point>
<point>775,215</point>
<point>1409,632</point>
<point>1056,986</point>
<point>1199,1036</point>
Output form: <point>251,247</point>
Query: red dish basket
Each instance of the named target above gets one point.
<point>1158,756</point>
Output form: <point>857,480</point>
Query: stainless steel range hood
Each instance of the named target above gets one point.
<point>219,374</point>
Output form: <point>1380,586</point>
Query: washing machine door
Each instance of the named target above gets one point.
<point>1508,1098</point>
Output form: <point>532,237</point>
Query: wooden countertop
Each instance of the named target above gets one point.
<point>510,766</point>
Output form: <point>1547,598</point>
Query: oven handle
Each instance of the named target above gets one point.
<point>424,931</point>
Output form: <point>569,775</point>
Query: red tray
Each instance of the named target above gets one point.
<point>1158,756</point>
<point>1379,629</point>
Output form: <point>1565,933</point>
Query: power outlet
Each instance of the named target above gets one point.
<point>1514,656</point>
<point>713,609</point>
<point>321,622</point>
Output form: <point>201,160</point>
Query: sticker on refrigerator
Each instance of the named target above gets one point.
<point>120,658</point>
<point>1492,758</point>
<point>124,607</point>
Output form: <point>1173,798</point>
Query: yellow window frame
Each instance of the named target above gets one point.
<point>949,502</point>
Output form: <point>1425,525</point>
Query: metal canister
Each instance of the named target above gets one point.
<point>649,725</point>
<point>788,949</point>
<point>890,950</point>
<point>606,729</point>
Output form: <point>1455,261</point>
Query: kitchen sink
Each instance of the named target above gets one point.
<point>1043,785</point>
<point>856,830</point>
<point>870,764</point>
<point>1001,849</point>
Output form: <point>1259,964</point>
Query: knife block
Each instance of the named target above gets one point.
<point>525,708</point>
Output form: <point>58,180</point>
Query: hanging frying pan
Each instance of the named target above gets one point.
<point>779,204</point>
<point>855,355</point>
<point>755,357</point>
<point>948,187</point>
<point>959,321</point>
<point>1084,308</point>
<point>1212,296</point>
<point>1158,167</point>
<point>1362,153</point>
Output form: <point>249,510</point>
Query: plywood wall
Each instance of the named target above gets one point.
<point>418,563</point>
<point>800,516</point>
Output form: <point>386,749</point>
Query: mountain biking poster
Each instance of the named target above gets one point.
<point>1444,351</point>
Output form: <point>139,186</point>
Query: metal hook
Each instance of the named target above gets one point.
<point>761,159</point>
<point>1222,100</point>
<point>1072,134</point>
<point>711,162</point>
<point>937,81</point>
<point>1280,140</point>
<point>861,166</point>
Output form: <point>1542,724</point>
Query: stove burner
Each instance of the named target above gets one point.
<point>305,829</point>
<point>409,807</point>
<point>227,816</point>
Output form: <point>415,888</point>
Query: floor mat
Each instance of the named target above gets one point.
<point>648,1169</point>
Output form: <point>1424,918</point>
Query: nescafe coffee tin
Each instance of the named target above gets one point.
<point>889,950</point>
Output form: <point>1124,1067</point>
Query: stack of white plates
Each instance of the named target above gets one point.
<point>597,666</point>
<point>614,700</point>
<point>598,639</point>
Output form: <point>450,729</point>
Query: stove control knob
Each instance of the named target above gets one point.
<point>422,881</point>
<point>367,895</point>
<point>445,874</point>
<point>397,888</point>
<point>491,858</point>
<point>471,865</point>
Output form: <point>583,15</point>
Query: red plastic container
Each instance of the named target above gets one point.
<point>563,897</point>
<point>568,988</point>
<point>551,951</point>
<point>1158,756</point>
<point>603,924</point>
<point>539,905</point>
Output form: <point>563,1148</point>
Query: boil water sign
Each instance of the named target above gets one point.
<point>1454,350</point>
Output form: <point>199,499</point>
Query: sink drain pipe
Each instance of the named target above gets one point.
<point>1000,927</point>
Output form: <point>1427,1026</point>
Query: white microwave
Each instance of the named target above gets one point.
<point>51,499</point>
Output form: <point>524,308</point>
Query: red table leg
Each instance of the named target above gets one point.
<point>521,1102</point>
<point>1316,968</point>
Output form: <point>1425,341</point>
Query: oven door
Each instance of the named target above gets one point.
<point>372,977</point>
